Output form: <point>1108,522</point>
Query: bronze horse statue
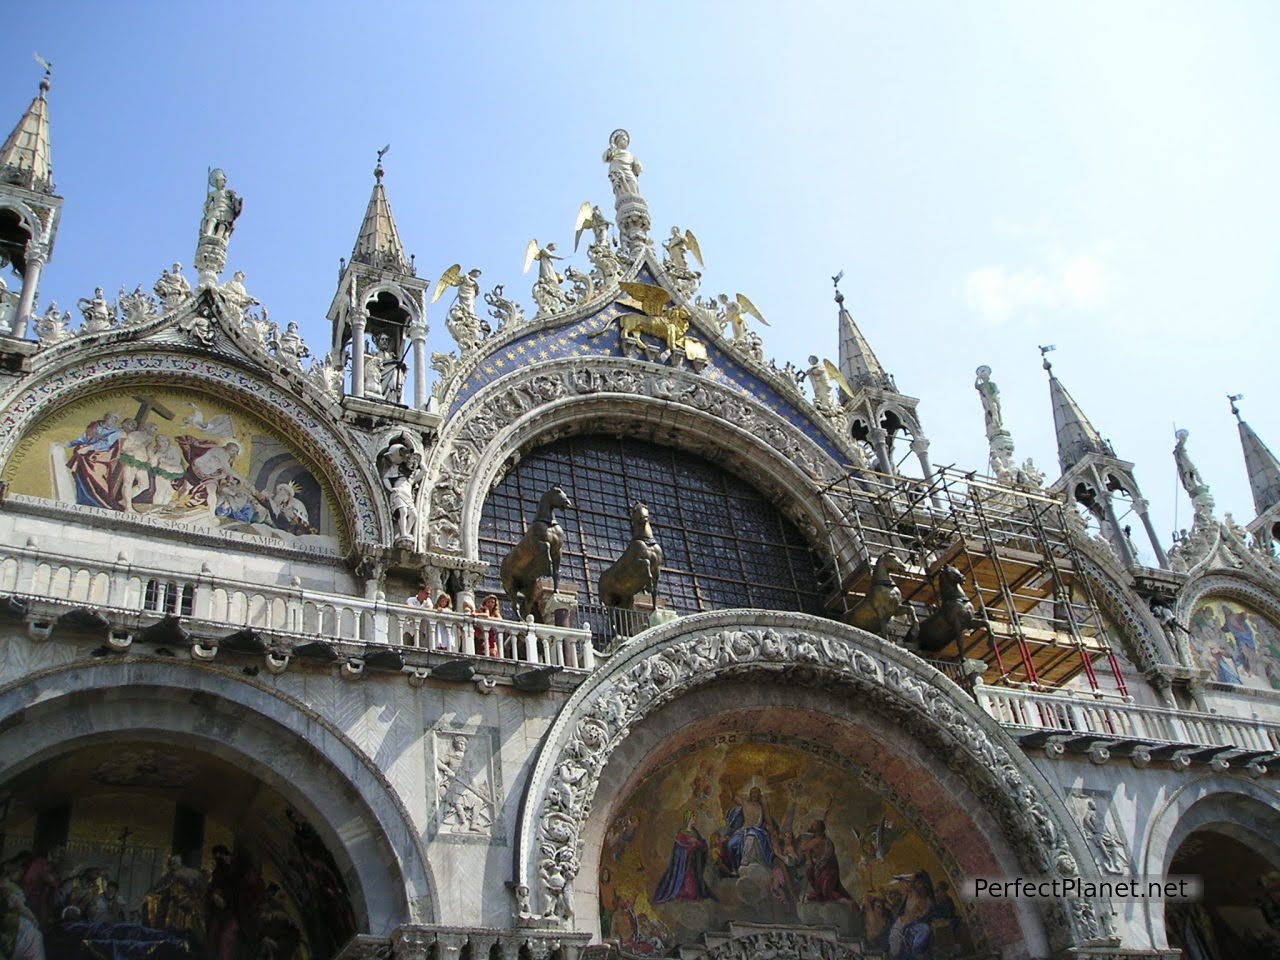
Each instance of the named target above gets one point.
<point>883,601</point>
<point>953,617</point>
<point>536,555</point>
<point>637,569</point>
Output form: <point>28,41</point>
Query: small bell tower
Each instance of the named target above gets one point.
<point>1093,476</point>
<point>877,411</point>
<point>379,309</point>
<point>29,211</point>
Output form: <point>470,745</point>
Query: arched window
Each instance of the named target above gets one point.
<point>724,544</point>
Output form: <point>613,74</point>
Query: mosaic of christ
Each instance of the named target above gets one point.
<point>175,455</point>
<point>1236,643</point>
<point>769,832</point>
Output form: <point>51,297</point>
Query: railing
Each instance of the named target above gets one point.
<point>291,611</point>
<point>611,624</point>
<point>1079,715</point>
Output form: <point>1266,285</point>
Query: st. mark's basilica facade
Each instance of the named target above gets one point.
<point>601,635</point>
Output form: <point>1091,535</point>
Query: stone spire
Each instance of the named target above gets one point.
<point>1077,437</point>
<point>1261,463</point>
<point>1092,474</point>
<point>858,362</point>
<point>24,158</point>
<point>378,244</point>
<point>28,230</point>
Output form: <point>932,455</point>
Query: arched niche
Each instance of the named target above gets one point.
<point>293,758</point>
<point>1222,830</point>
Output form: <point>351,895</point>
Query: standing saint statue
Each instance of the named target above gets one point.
<point>1190,477</point>
<point>624,168</point>
<point>393,370</point>
<point>990,395</point>
<point>221,207</point>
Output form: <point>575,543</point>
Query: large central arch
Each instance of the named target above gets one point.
<point>674,406</point>
<point>799,659</point>
<point>276,740</point>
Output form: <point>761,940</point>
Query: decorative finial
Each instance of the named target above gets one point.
<point>1234,397</point>
<point>835,282</point>
<point>1045,349</point>
<point>48,72</point>
<point>377,170</point>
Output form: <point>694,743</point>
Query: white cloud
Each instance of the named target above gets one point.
<point>997,294</point>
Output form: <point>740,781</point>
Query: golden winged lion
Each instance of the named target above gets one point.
<point>659,317</point>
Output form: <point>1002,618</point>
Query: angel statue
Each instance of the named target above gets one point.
<point>98,314</point>
<point>546,291</point>
<point>677,245</point>
<point>463,324</point>
<point>732,314</point>
<point>601,252</point>
<point>676,264</point>
<point>221,208</point>
<point>506,312</point>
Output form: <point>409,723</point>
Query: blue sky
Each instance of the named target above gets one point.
<point>991,176</point>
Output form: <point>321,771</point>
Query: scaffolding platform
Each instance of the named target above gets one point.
<point>1035,620</point>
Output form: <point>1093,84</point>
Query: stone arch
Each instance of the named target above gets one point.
<point>1241,808</point>
<point>28,219</point>
<point>676,407</point>
<point>787,651</point>
<point>70,376</point>
<point>406,303</point>
<point>1236,584</point>
<point>1146,644</point>
<point>279,741</point>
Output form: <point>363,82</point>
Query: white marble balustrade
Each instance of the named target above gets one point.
<point>294,612</point>
<point>1080,714</point>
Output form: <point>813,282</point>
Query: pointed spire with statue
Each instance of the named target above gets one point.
<point>877,412</point>
<point>379,309</point>
<point>26,192</point>
<point>1092,473</point>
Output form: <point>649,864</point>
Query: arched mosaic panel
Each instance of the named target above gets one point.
<point>774,830</point>
<point>1236,643</point>
<point>724,544</point>
<point>177,455</point>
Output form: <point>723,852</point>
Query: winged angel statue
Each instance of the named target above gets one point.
<point>464,325</point>
<point>546,290</point>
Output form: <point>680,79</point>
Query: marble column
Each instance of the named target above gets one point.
<point>418,337</point>
<point>37,254</point>
<point>357,353</point>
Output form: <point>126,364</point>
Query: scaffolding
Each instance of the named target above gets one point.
<point>1036,621</point>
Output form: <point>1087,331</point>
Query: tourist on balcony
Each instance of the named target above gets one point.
<point>443,629</point>
<point>487,640</point>
<point>420,599</point>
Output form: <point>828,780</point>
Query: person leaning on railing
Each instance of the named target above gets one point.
<point>487,639</point>
<point>443,628</point>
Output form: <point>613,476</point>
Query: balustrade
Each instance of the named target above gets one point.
<point>1079,714</point>
<point>290,611</point>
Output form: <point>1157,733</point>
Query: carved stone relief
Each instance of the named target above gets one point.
<point>465,791</point>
